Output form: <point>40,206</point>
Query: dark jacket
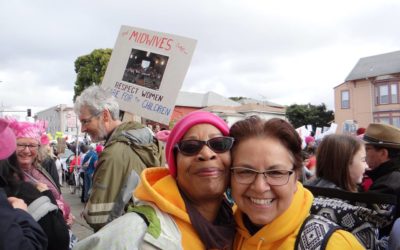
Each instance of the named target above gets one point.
<point>51,222</point>
<point>50,165</point>
<point>18,229</point>
<point>319,182</point>
<point>385,179</point>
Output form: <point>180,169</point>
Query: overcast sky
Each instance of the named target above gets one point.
<point>281,51</point>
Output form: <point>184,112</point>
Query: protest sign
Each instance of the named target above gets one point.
<point>146,71</point>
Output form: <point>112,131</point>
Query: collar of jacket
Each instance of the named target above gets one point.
<point>384,169</point>
<point>282,228</point>
<point>116,134</point>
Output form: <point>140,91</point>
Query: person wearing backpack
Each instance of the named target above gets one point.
<point>340,168</point>
<point>129,148</point>
<point>273,207</point>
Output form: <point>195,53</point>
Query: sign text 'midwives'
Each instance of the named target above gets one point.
<point>151,40</point>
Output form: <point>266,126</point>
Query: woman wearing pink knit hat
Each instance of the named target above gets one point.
<point>18,229</point>
<point>187,198</point>
<point>28,142</point>
<point>27,180</point>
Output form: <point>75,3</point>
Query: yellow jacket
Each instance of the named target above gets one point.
<point>282,232</point>
<point>159,187</point>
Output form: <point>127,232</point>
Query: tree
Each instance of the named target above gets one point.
<point>237,98</point>
<point>316,115</point>
<point>90,69</point>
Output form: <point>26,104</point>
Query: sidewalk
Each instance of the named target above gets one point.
<point>79,228</point>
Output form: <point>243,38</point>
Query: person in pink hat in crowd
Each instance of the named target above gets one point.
<point>18,229</point>
<point>185,202</point>
<point>310,149</point>
<point>99,149</point>
<point>28,142</point>
<point>162,136</point>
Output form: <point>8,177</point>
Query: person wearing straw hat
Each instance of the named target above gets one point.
<point>383,151</point>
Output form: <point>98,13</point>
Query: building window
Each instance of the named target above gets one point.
<point>383,94</point>
<point>392,120</point>
<point>393,93</point>
<point>345,99</point>
<point>396,121</point>
<point>387,93</point>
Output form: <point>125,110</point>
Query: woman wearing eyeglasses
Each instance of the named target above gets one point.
<point>26,179</point>
<point>182,206</point>
<point>273,207</point>
<point>28,142</point>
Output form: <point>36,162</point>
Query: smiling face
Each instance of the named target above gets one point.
<point>206,174</point>
<point>358,166</point>
<point>27,151</point>
<point>93,124</point>
<point>260,201</point>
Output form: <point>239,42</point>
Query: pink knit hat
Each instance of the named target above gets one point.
<point>309,139</point>
<point>99,148</point>
<point>163,135</point>
<point>28,129</point>
<point>181,127</point>
<point>44,140</point>
<point>7,140</point>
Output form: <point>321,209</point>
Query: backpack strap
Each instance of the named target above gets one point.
<point>315,233</point>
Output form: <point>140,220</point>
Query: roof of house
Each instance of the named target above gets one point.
<point>254,101</point>
<point>377,65</point>
<point>200,100</point>
<point>246,108</point>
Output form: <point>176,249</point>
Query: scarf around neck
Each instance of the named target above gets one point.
<point>214,235</point>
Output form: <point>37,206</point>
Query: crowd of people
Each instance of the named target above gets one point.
<point>201,185</point>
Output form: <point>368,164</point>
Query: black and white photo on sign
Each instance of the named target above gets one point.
<point>145,69</point>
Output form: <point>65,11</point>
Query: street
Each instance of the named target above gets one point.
<point>79,228</point>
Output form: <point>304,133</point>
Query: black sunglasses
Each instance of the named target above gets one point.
<point>193,147</point>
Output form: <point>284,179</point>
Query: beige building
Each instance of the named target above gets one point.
<point>232,114</point>
<point>369,94</point>
<point>61,119</point>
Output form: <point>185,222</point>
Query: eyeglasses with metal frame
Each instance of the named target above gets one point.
<point>88,120</point>
<point>273,177</point>
<point>219,144</point>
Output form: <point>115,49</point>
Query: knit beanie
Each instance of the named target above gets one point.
<point>28,129</point>
<point>309,139</point>
<point>44,139</point>
<point>182,126</point>
<point>163,135</point>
